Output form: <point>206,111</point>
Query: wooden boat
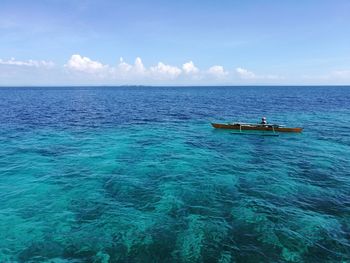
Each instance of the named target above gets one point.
<point>255,127</point>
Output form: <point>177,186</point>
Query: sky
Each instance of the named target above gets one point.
<point>182,42</point>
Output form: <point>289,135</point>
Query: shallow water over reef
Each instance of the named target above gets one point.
<point>137,174</point>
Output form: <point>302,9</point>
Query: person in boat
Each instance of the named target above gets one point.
<point>263,121</point>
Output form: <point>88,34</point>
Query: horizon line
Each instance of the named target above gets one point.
<point>173,86</point>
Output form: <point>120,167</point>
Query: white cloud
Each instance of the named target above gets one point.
<point>85,64</point>
<point>189,68</point>
<point>163,71</point>
<point>245,74</point>
<point>27,63</point>
<point>137,72</point>
<point>249,75</point>
<point>81,69</point>
<point>217,71</point>
<point>125,70</point>
<point>123,66</point>
<point>139,67</point>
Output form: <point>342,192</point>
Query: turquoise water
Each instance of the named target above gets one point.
<point>137,174</point>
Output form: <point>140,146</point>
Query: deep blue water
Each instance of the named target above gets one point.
<point>137,174</point>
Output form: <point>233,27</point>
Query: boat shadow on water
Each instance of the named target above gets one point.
<point>255,133</point>
<point>252,133</point>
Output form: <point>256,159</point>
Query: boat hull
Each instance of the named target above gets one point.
<point>254,128</point>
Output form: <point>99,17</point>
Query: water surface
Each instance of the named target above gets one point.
<point>137,174</point>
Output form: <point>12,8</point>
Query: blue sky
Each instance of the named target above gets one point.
<point>183,42</point>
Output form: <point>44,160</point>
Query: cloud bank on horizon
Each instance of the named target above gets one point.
<point>79,68</point>
<point>82,70</point>
<point>184,42</point>
<point>160,71</point>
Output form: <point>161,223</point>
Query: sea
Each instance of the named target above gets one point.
<point>138,174</point>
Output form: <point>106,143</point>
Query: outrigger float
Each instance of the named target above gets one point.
<point>255,127</point>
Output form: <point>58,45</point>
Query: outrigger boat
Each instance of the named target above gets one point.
<point>255,127</point>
